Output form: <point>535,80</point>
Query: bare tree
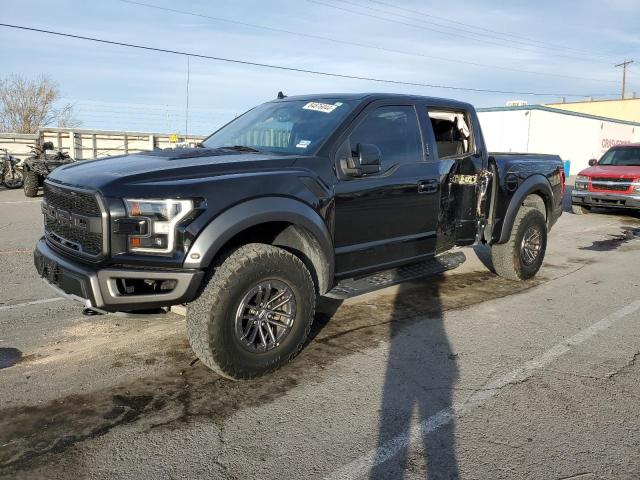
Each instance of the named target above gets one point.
<point>26,105</point>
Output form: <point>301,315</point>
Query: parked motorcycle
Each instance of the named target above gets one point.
<point>11,175</point>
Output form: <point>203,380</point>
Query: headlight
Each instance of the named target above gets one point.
<point>161,218</point>
<point>581,182</point>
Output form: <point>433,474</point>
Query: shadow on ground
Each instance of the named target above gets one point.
<point>420,375</point>
<point>9,357</point>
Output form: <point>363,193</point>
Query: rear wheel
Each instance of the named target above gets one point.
<point>521,256</point>
<point>580,210</point>
<point>31,183</point>
<point>254,313</point>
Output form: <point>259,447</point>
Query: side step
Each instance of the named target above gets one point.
<point>352,287</point>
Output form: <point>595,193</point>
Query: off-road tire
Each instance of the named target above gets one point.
<point>580,210</point>
<point>31,184</point>
<point>17,183</point>
<point>211,316</point>
<point>507,258</point>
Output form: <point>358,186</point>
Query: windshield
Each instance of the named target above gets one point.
<point>622,157</point>
<point>297,126</point>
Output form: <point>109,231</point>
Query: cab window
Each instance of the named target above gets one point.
<point>394,130</point>
<point>452,131</point>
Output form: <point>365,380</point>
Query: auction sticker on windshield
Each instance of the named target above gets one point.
<point>320,107</point>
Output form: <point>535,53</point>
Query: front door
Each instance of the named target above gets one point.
<point>388,216</point>
<point>462,167</point>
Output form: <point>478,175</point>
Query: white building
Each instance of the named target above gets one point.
<point>576,137</point>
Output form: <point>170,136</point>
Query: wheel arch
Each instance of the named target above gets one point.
<point>534,186</point>
<point>279,221</point>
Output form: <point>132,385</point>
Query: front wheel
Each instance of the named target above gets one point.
<point>254,313</point>
<point>31,183</point>
<point>521,256</point>
<point>12,178</point>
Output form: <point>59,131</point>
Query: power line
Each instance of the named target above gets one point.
<point>292,69</point>
<point>495,32</point>
<point>452,34</point>
<point>361,45</point>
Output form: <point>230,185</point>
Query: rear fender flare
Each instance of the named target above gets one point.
<point>537,184</point>
<point>257,211</point>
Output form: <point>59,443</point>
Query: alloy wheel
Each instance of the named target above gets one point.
<point>265,316</point>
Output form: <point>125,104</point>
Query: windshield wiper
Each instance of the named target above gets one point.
<point>240,148</point>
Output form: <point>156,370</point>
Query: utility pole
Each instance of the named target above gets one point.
<point>186,113</point>
<point>624,74</point>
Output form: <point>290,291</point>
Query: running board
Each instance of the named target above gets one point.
<point>352,287</point>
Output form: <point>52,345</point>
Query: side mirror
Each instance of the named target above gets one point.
<point>47,146</point>
<point>366,160</point>
<point>593,162</point>
<point>369,156</point>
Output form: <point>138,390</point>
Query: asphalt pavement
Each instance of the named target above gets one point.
<point>464,375</point>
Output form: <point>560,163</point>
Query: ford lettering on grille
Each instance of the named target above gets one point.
<point>64,218</point>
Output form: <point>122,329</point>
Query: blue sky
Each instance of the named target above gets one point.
<point>570,45</point>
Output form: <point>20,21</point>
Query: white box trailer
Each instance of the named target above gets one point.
<point>576,137</point>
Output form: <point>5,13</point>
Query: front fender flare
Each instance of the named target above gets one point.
<point>534,184</point>
<point>254,212</point>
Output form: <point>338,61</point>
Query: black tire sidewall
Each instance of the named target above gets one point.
<point>222,316</point>
<point>30,183</point>
<point>530,218</point>
<point>17,183</point>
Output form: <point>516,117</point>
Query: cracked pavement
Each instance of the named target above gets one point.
<point>121,397</point>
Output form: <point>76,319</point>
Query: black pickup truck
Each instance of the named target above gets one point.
<point>298,198</point>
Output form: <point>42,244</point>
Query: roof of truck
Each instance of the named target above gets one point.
<point>372,96</point>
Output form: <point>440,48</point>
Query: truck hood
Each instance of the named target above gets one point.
<point>610,171</point>
<point>164,166</point>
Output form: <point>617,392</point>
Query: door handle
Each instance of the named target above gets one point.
<point>428,186</point>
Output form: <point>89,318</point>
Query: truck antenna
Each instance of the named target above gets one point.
<point>281,95</point>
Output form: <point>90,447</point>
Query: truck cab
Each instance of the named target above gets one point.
<point>409,167</point>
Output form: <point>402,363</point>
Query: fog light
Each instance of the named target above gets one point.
<point>168,285</point>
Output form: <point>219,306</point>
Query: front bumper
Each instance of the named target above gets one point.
<point>607,200</point>
<point>97,288</point>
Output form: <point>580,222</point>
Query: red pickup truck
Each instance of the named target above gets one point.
<point>611,182</point>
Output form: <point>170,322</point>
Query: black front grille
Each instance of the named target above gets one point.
<point>615,188</point>
<point>73,220</point>
<point>616,180</point>
<point>72,201</point>
<point>617,184</point>
<point>73,238</point>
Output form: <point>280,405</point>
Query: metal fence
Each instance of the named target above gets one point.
<point>84,144</point>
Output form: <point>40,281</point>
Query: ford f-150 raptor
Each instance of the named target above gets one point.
<point>297,198</point>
